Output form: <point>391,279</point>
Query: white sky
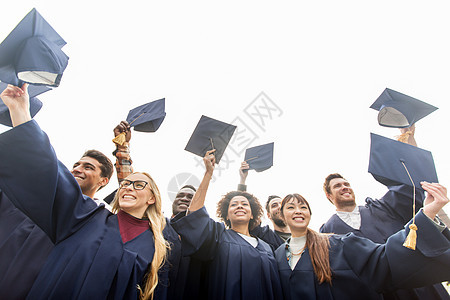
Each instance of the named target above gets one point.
<point>321,63</point>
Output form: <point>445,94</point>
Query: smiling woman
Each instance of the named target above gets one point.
<point>234,256</point>
<point>313,265</point>
<point>97,254</point>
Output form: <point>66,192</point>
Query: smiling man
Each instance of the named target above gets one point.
<point>377,220</point>
<point>23,245</point>
<point>183,199</point>
<point>92,172</point>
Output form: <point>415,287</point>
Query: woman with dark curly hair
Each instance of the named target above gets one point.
<point>241,266</point>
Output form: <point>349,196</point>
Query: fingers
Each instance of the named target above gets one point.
<point>123,126</point>
<point>436,190</point>
<point>244,165</point>
<point>209,156</point>
<point>14,91</point>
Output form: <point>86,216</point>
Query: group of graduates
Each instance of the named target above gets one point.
<point>58,242</point>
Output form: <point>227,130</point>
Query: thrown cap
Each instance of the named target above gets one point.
<point>210,134</point>
<point>388,159</point>
<point>147,117</point>
<point>259,158</point>
<point>35,103</point>
<point>32,53</point>
<point>399,110</point>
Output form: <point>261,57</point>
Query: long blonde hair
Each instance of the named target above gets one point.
<point>318,245</point>
<point>157,223</point>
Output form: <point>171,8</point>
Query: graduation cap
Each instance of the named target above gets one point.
<point>388,159</point>
<point>210,134</point>
<point>394,163</point>
<point>145,118</point>
<point>399,110</point>
<point>108,199</point>
<point>259,158</point>
<point>35,103</point>
<point>32,53</point>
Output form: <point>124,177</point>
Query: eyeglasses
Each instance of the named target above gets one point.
<point>137,184</point>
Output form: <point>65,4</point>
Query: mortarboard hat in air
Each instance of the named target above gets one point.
<point>210,134</point>
<point>392,162</point>
<point>399,110</point>
<point>35,103</point>
<point>32,53</point>
<point>259,158</point>
<point>145,118</point>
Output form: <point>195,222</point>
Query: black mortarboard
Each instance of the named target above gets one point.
<point>32,53</point>
<point>147,117</point>
<point>210,134</point>
<point>35,103</point>
<point>399,110</point>
<point>259,158</point>
<point>386,162</point>
<point>108,199</point>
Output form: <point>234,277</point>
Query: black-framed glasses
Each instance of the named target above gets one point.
<point>137,184</point>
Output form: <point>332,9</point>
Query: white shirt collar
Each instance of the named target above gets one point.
<point>352,219</point>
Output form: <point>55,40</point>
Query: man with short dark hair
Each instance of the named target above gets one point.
<point>23,245</point>
<point>273,206</point>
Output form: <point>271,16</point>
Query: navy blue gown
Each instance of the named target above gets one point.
<point>362,269</point>
<point>186,274</point>
<point>89,260</point>
<point>237,270</point>
<point>269,236</point>
<point>23,246</point>
<point>379,220</point>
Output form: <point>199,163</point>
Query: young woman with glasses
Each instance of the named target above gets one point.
<point>97,254</point>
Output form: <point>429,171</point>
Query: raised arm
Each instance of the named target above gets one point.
<point>33,178</point>
<point>427,264</point>
<point>122,153</point>
<point>243,173</point>
<point>198,201</point>
<point>18,102</point>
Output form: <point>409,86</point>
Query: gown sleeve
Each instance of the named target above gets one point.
<point>40,185</point>
<point>397,202</point>
<point>392,266</point>
<point>200,235</point>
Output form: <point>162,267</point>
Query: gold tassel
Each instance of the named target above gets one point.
<point>404,137</point>
<point>410,241</point>
<point>120,139</point>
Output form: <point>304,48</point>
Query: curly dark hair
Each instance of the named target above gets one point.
<point>255,206</point>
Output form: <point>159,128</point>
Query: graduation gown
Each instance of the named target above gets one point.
<point>89,260</point>
<point>23,246</point>
<point>362,269</point>
<point>379,220</point>
<point>186,274</point>
<point>237,270</point>
<point>267,235</point>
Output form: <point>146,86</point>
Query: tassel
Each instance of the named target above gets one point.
<point>410,241</point>
<point>404,137</point>
<point>120,139</point>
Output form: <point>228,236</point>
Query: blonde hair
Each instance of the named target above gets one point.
<point>157,223</point>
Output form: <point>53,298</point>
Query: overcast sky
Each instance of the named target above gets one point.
<point>301,74</point>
